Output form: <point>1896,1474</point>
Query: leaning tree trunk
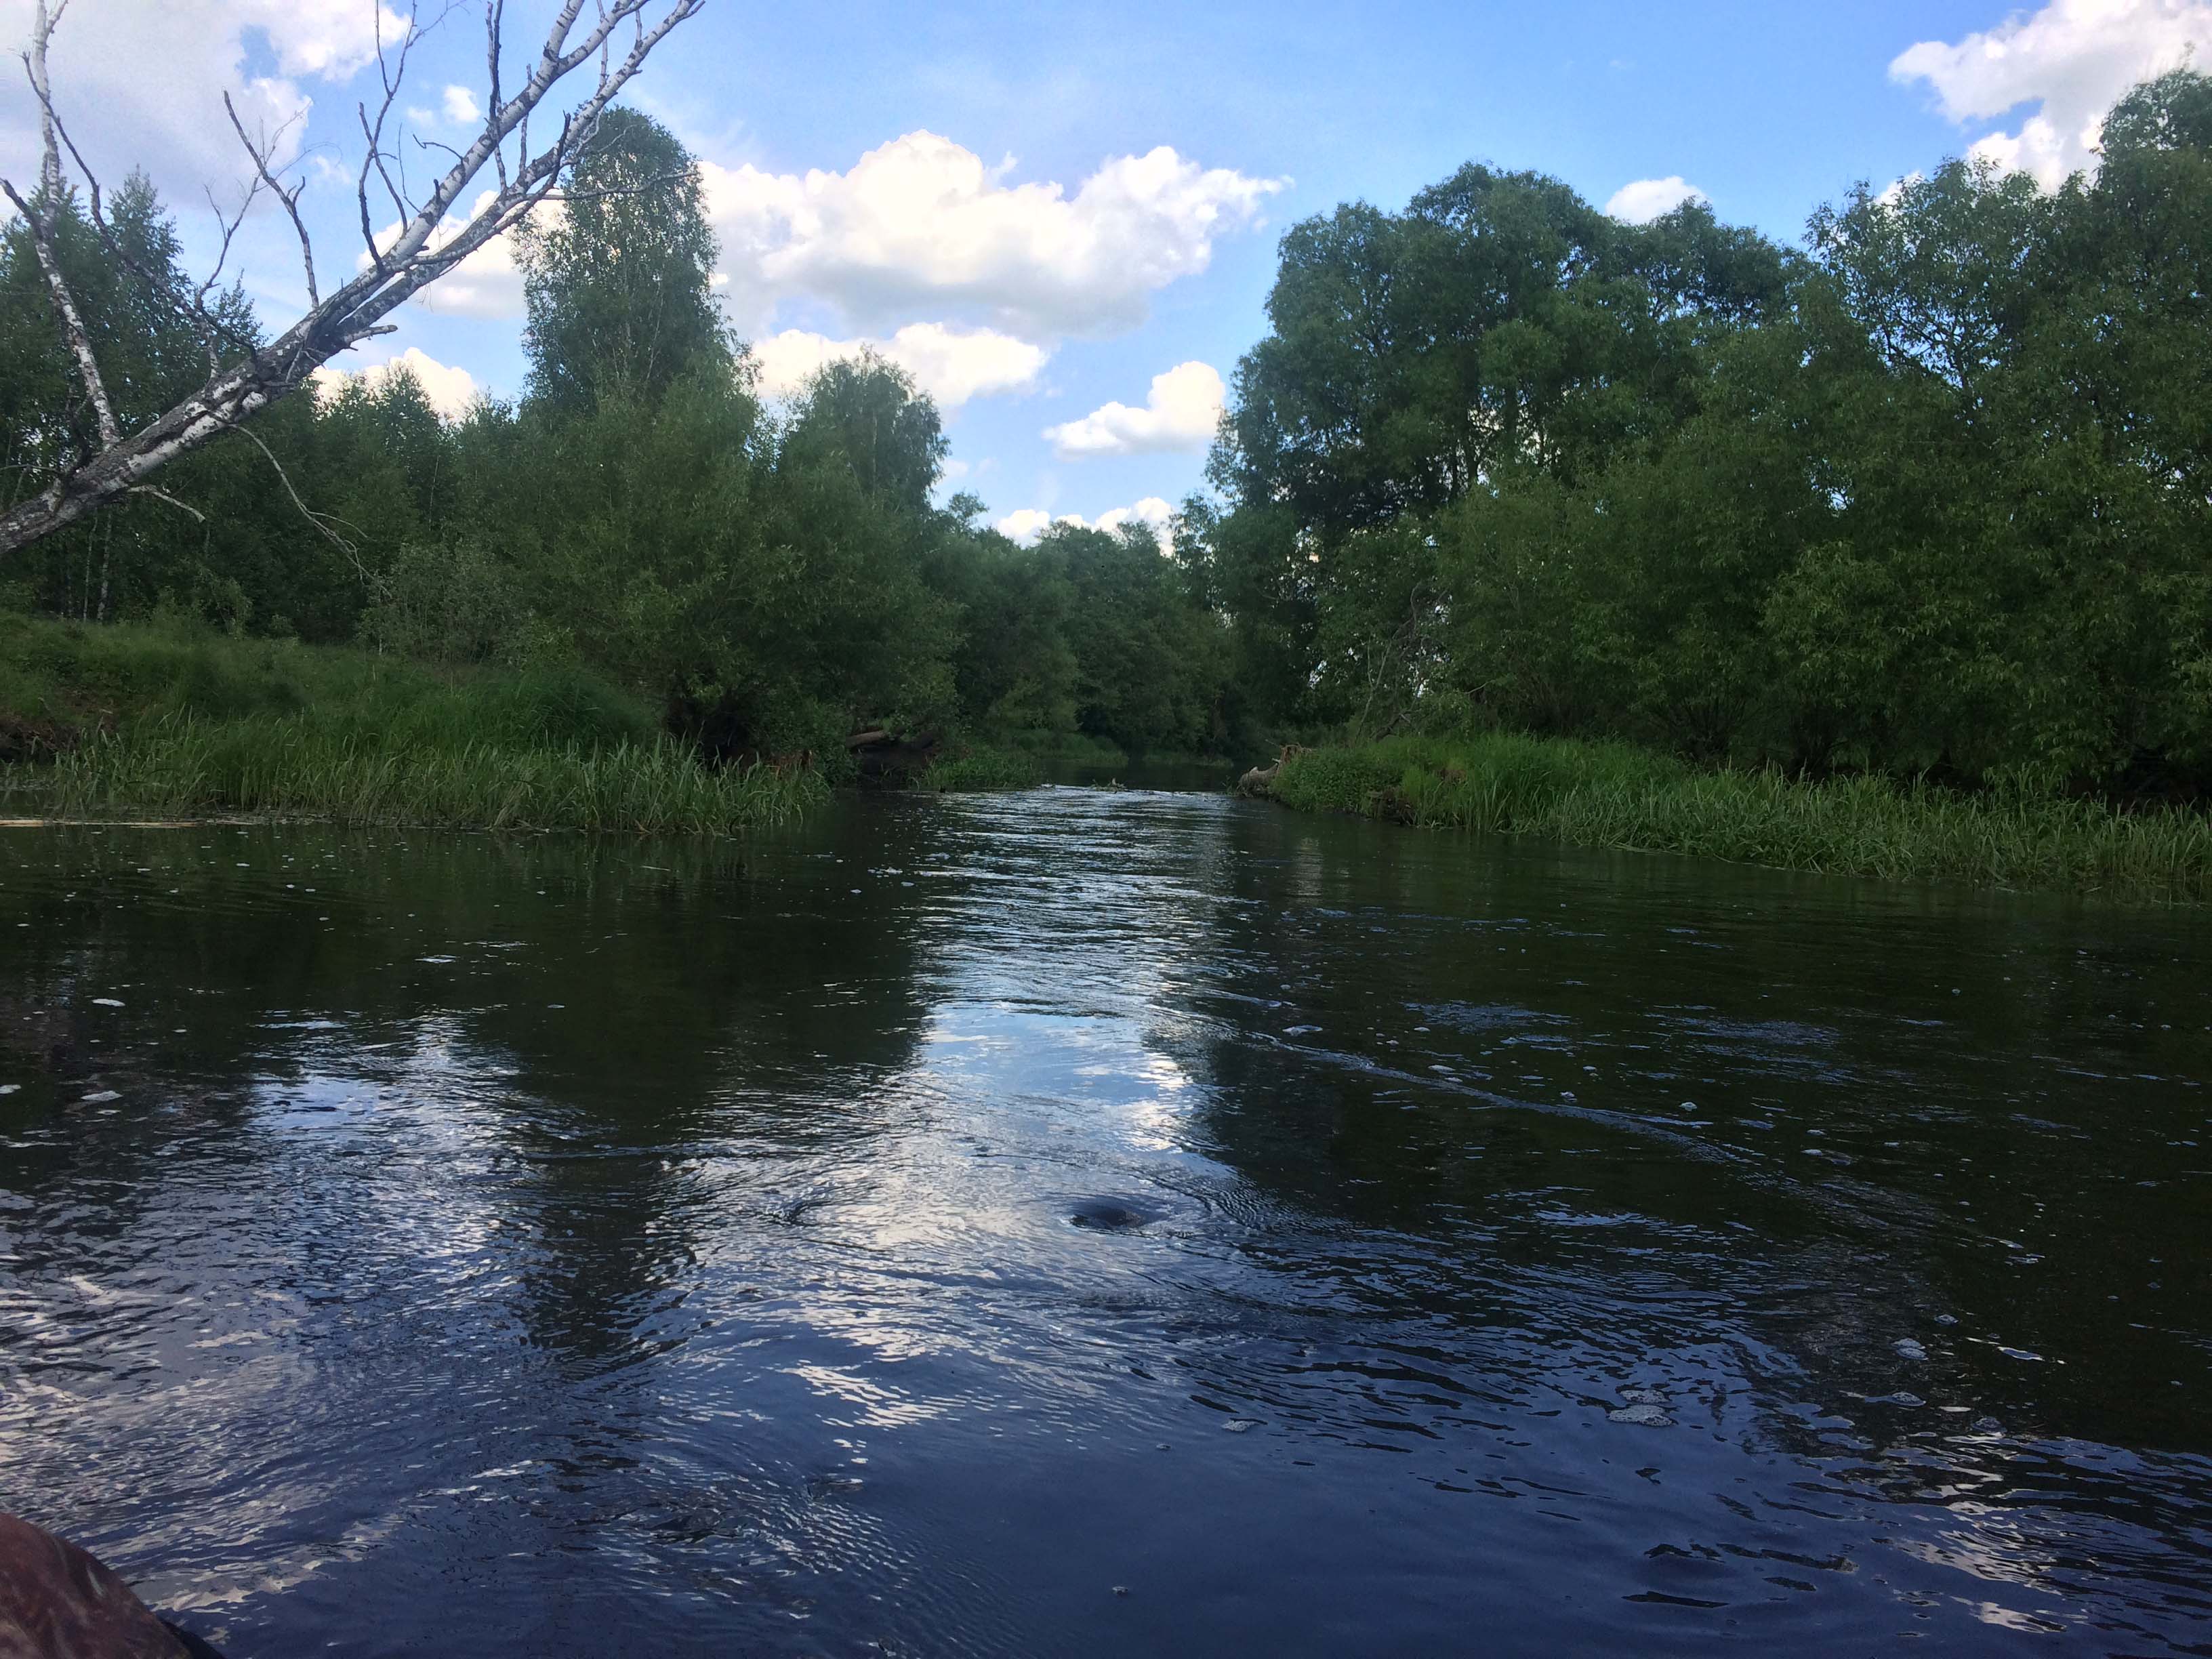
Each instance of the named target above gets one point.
<point>256,376</point>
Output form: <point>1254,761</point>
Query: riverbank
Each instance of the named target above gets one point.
<point>125,720</point>
<point>1596,794</point>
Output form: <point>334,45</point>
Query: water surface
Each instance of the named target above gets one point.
<point>1086,1222</point>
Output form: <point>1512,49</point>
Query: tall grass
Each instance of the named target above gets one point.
<point>178,765</point>
<point>975,766</point>
<point>175,722</point>
<point>1597,794</point>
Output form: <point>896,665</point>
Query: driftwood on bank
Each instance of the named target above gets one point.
<point>245,376</point>
<point>884,757</point>
<point>1260,781</point>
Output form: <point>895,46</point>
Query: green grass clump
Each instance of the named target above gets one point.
<point>174,721</point>
<point>181,766</point>
<point>1602,794</point>
<point>980,766</point>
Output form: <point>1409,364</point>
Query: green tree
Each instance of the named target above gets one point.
<point>1932,497</point>
<point>618,282</point>
<point>867,417</point>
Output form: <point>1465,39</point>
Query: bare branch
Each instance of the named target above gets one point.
<point>375,136</point>
<point>290,199</point>
<point>495,16</point>
<point>164,496</point>
<point>322,521</point>
<point>228,226</point>
<point>374,159</point>
<point>419,253</point>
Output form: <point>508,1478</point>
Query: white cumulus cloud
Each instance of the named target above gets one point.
<point>950,364</point>
<point>1180,413</point>
<point>1028,523</point>
<point>2072,58</point>
<point>140,83</point>
<point>450,390</point>
<point>1151,510</point>
<point>461,107</point>
<point>1646,199</point>
<point>922,222</point>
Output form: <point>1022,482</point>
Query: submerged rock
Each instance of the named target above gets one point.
<point>1104,1215</point>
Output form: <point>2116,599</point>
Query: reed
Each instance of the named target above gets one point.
<point>983,766</point>
<point>179,765</point>
<point>1599,794</point>
<point>155,720</point>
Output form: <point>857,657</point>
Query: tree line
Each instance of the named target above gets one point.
<point>1931,495</point>
<point>775,577</point>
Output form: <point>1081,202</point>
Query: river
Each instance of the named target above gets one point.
<point>1099,1222</point>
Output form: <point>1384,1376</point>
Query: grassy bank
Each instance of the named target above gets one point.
<point>977,766</point>
<point>1610,795</point>
<point>122,721</point>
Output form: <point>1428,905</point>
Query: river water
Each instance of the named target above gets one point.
<point>1088,1222</point>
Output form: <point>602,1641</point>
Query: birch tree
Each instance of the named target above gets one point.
<point>245,375</point>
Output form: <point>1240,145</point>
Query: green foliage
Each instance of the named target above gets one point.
<point>458,603</point>
<point>617,283</point>
<point>1928,499</point>
<point>290,768</point>
<point>865,419</point>
<point>767,580</point>
<point>126,675</point>
<point>980,766</point>
<point>176,718</point>
<point>1147,658</point>
<point>1934,497</point>
<point>247,563</point>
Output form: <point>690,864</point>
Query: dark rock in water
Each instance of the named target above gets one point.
<point>56,1598</point>
<point>1104,1215</point>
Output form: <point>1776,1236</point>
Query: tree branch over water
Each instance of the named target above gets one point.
<point>245,377</point>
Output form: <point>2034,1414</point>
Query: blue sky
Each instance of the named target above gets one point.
<point>1063,203</point>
